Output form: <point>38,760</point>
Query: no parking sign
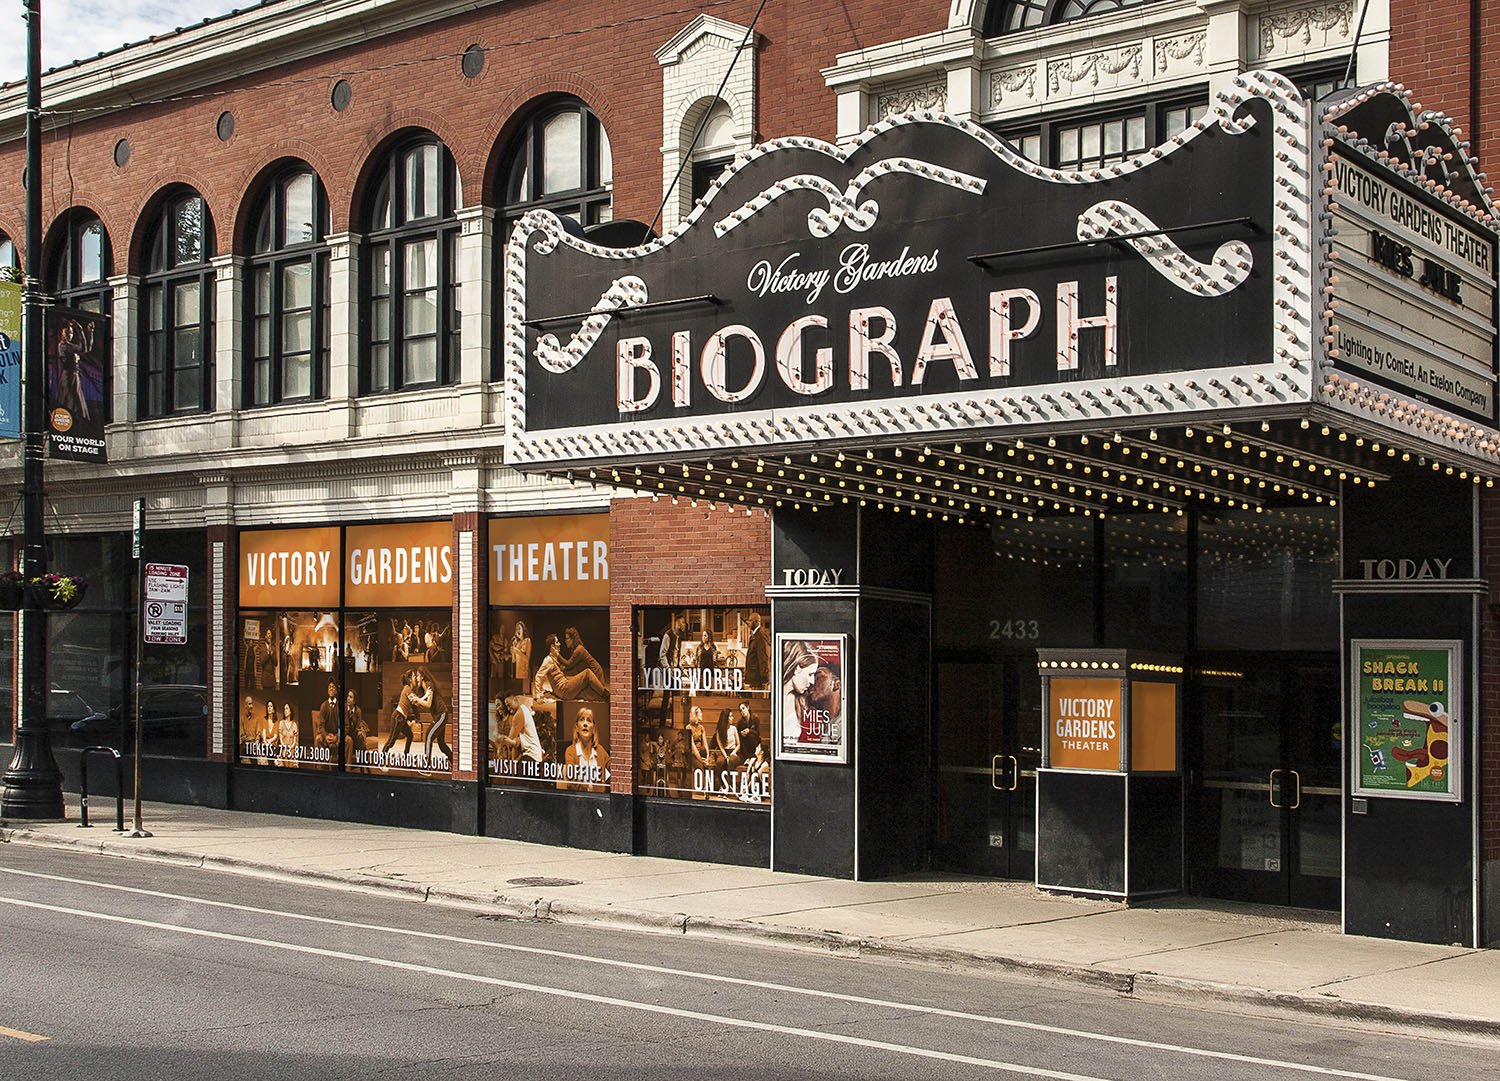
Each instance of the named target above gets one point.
<point>166,604</point>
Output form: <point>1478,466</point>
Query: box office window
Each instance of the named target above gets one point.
<point>703,704</point>
<point>548,688</point>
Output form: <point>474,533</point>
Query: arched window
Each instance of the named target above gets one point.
<point>81,264</point>
<point>411,270</point>
<point>177,315</point>
<point>1005,16</point>
<point>286,354</point>
<point>7,252</point>
<point>714,150</point>
<point>560,161</point>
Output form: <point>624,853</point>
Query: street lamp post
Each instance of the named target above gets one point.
<point>32,783</point>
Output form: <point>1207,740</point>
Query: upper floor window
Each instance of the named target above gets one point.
<point>286,355</point>
<point>178,309</point>
<point>714,149</point>
<point>7,252</point>
<point>561,162</point>
<point>80,264</point>
<point>1005,16</point>
<point>411,270</point>
<point>1094,140</point>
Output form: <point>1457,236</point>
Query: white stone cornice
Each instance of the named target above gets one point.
<point>905,58</point>
<point>704,26</point>
<point>243,43</point>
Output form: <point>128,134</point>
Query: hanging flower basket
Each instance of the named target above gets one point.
<point>11,592</point>
<point>57,591</point>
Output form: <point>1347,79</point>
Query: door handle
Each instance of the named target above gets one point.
<point>1298,797</point>
<point>995,773</point>
<point>1271,784</point>
<point>1015,773</point>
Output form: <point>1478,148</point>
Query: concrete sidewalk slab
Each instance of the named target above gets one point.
<point>1189,948</point>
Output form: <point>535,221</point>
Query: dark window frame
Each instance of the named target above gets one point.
<point>392,236</point>
<point>1015,16</point>
<point>171,273</point>
<point>67,286</point>
<point>1153,110</point>
<point>592,200</point>
<point>274,256</point>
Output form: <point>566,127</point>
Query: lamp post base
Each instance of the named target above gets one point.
<point>33,783</point>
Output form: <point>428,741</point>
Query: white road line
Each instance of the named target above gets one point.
<point>560,992</point>
<point>710,977</point>
<point>24,1037</point>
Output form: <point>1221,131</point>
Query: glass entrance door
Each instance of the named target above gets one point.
<point>988,748</point>
<point>1267,791</point>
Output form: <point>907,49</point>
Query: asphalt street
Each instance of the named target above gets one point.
<point>133,969</point>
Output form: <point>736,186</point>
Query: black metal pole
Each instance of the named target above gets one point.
<point>33,783</point>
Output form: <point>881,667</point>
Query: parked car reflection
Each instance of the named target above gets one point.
<point>174,722</point>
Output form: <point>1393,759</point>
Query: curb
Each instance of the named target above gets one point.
<point>1146,986</point>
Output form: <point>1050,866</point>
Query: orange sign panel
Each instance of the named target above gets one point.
<point>1153,726</point>
<point>1086,721</point>
<point>289,568</point>
<point>556,560</point>
<point>399,565</point>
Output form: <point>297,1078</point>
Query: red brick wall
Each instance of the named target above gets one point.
<point>661,554</point>
<point>412,78</point>
<point>1445,52</point>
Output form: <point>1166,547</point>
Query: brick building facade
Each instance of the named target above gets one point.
<point>296,216</point>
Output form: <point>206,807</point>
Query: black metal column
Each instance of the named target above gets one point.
<point>33,783</point>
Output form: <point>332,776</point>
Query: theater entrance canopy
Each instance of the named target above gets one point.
<point>1285,298</point>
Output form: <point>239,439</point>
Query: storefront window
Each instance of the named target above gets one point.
<point>1265,581</point>
<point>1145,585</point>
<point>288,677</point>
<point>549,697</point>
<point>366,686</point>
<point>547,651</point>
<point>398,674</point>
<point>91,650</point>
<point>1015,586</point>
<point>703,704</point>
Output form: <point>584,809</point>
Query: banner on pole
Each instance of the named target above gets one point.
<point>76,343</point>
<point>10,360</point>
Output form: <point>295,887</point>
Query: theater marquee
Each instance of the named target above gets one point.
<point>926,279</point>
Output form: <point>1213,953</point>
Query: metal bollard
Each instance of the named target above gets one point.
<point>83,787</point>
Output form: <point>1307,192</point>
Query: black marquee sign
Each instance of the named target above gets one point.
<point>926,280</point>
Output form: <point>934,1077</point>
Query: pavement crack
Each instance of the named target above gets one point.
<point>1392,971</point>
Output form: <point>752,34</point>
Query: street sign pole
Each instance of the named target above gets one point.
<point>138,548</point>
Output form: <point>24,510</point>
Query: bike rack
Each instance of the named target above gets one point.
<point>83,787</point>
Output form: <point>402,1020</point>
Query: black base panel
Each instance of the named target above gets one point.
<point>1080,842</point>
<point>164,780</point>
<point>600,823</point>
<point>684,830</point>
<point>449,806</point>
<point>1155,835</point>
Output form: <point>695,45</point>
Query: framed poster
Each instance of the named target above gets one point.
<point>811,708</point>
<point>1408,709</point>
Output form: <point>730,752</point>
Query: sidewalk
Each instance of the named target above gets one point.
<point>1184,948</point>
